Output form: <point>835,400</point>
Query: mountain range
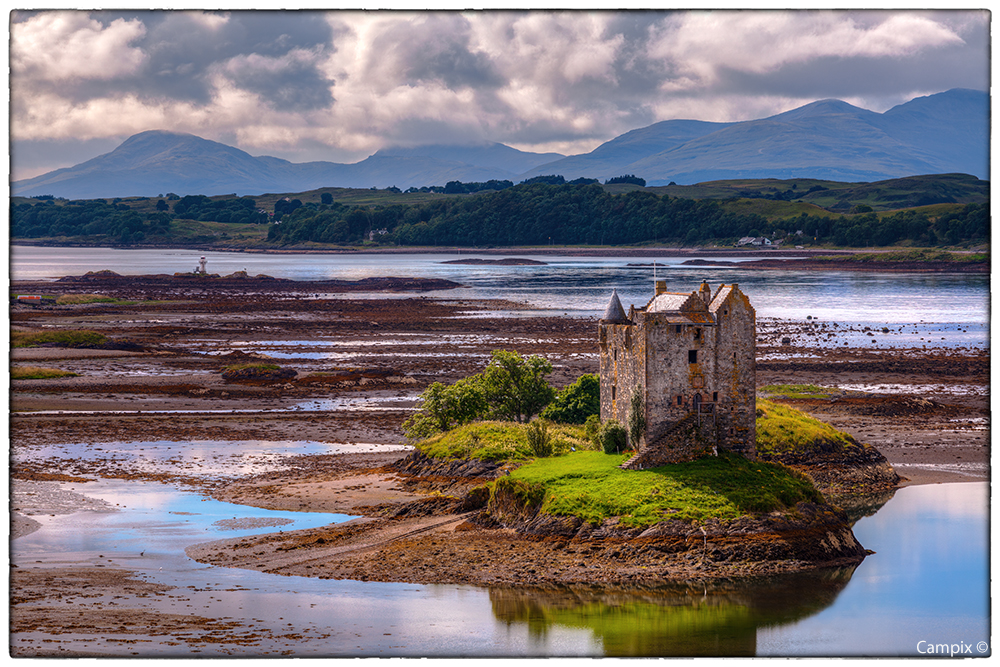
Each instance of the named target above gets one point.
<point>829,139</point>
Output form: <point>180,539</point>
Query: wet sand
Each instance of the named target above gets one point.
<point>933,427</point>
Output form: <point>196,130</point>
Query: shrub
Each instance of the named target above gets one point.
<point>539,441</point>
<point>636,417</point>
<point>446,406</point>
<point>515,387</point>
<point>591,428</point>
<point>613,437</point>
<point>511,388</point>
<point>577,402</point>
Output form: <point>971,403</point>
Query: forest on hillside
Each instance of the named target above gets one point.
<point>543,214</point>
<point>536,213</point>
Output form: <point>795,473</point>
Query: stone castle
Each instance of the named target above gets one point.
<point>688,362</point>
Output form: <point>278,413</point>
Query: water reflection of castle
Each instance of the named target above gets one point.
<point>682,619</point>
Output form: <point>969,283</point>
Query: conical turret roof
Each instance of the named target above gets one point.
<point>614,313</point>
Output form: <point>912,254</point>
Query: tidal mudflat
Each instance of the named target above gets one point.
<point>286,448</point>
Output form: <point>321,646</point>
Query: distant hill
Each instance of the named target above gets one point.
<point>157,162</point>
<point>828,140</point>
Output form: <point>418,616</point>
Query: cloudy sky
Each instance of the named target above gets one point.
<point>337,86</point>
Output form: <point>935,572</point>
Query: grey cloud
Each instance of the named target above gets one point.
<point>888,79</point>
<point>295,87</point>
<point>181,54</point>
<point>436,48</point>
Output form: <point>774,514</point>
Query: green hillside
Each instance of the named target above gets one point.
<point>944,210</point>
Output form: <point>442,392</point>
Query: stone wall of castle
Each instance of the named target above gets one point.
<point>682,367</point>
<point>736,376</point>
<point>622,369</point>
<point>685,367</point>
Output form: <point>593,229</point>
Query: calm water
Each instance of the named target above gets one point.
<point>573,285</point>
<point>928,581</point>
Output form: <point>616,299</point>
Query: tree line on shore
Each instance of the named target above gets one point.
<point>535,213</point>
<point>571,214</point>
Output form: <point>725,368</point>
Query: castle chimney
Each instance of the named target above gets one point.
<point>705,292</point>
<point>661,287</point>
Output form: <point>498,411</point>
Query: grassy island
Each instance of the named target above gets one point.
<point>579,480</point>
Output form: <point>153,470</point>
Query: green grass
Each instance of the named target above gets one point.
<point>77,338</point>
<point>800,390</point>
<point>773,209</point>
<point>38,373</point>
<point>67,299</point>
<point>198,231</point>
<point>591,486</point>
<point>499,441</point>
<point>784,430</point>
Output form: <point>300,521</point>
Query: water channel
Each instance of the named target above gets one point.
<point>928,580</point>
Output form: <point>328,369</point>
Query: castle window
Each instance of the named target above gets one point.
<point>715,397</point>
<point>680,400</point>
<point>692,356</point>
<point>616,354</point>
<point>613,392</point>
<point>697,334</point>
<point>678,328</point>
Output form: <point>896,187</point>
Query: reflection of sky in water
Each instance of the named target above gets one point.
<point>155,518</point>
<point>924,389</point>
<point>196,457</point>
<point>324,617</point>
<point>928,580</point>
<point>356,404</point>
<point>909,335</point>
<point>571,284</point>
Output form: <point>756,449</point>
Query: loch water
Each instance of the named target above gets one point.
<point>928,581</point>
<point>580,286</point>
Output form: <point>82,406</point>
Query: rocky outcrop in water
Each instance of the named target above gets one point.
<point>808,532</point>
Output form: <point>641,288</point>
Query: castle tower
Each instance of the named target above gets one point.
<point>691,360</point>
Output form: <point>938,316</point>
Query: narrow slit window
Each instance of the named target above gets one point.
<point>680,400</point>
<point>715,396</point>
<point>692,356</point>
<point>613,392</point>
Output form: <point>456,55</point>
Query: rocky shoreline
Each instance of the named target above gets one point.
<point>442,538</point>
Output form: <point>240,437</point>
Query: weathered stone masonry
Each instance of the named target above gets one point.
<point>691,357</point>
